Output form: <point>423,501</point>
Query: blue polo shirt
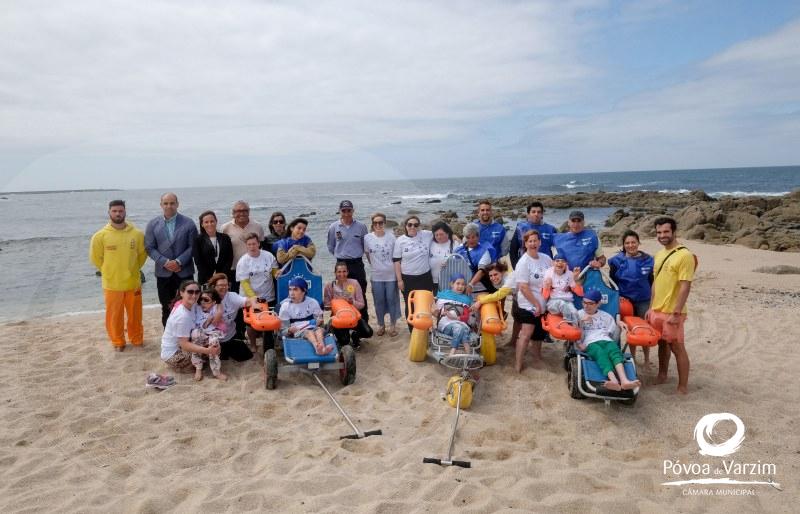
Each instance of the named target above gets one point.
<point>493,234</point>
<point>579,249</point>
<point>546,234</point>
<point>633,275</point>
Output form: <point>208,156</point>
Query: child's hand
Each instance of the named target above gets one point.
<point>548,283</point>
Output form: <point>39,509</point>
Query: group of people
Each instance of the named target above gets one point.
<point>236,266</point>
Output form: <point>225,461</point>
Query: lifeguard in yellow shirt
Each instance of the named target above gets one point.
<point>117,250</point>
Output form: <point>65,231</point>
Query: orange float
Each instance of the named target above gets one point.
<point>419,309</point>
<point>263,320</point>
<point>344,314</point>
<point>559,328</point>
<point>492,321</point>
<point>640,333</point>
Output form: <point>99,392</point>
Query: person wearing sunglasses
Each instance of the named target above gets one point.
<point>379,247</point>
<point>276,230</point>
<point>176,344</point>
<point>411,256</point>
<point>346,244</point>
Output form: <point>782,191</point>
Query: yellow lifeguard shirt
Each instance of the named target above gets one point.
<point>679,267</point>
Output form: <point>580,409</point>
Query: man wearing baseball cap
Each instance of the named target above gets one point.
<point>580,245</point>
<point>346,243</point>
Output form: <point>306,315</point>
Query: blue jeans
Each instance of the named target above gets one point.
<point>387,301</point>
<point>459,332</point>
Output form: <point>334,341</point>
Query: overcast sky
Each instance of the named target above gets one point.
<point>111,94</point>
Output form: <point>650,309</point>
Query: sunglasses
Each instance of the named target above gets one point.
<point>412,225</point>
<point>205,299</point>
<point>192,291</point>
<point>345,210</point>
<point>378,222</point>
<point>240,210</point>
<point>278,222</point>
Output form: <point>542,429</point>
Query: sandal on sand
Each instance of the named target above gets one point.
<point>380,331</point>
<point>159,381</point>
<point>393,332</point>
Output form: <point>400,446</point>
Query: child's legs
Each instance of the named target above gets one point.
<point>458,332</point>
<point>197,360</point>
<point>598,352</point>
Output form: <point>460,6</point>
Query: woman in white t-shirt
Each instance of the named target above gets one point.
<point>379,248</point>
<point>255,271</point>
<point>441,248</point>
<point>176,344</point>
<point>529,279</point>
<point>412,265</point>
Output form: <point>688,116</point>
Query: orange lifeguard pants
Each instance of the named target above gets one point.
<point>118,304</point>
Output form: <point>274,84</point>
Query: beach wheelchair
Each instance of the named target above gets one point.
<point>427,341</point>
<point>299,354</point>
<point>585,379</point>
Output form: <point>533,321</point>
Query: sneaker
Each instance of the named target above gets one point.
<point>159,381</point>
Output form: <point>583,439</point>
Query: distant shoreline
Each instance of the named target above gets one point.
<point>57,191</point>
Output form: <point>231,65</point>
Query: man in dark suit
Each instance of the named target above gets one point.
<point>168,240</point>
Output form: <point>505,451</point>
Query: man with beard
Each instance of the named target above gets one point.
<point>673,273</point>
<point>491,232</point>
<point>117,250</point>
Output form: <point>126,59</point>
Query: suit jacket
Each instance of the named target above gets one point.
<point>205,257</point>
<point>161,249</point>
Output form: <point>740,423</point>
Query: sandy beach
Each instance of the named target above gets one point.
<point>82,433</point>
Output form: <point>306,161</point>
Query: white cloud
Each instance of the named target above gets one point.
<point>272,78</point>
<point>735,109</point>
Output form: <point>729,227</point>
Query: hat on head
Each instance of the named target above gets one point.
<point>299,283</point>
<point>457,276</point>
<point>558,254</point>
<point>345,204</point>
<point>576,214</point>
<point>593,295</point>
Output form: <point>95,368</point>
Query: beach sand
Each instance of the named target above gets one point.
<point>81,432</point>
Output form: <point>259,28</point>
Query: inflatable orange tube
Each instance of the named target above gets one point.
<point>419,309</point>
<point>492,321</point>
<point>625,307</point>
<point>344,314</point>
<point>555,325</point>
<point>640,333</point>
<point>261,320</point>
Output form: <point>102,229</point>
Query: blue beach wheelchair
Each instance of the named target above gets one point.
<point>299,354</point>
<point>585,379</point>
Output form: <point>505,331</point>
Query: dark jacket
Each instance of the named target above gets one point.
<point>204,256</point>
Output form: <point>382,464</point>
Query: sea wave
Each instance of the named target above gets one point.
<point>717,194</point>
<point>678,191</point>
<point>436,196</point>
<point>96,311</point>
<point>574,184</point>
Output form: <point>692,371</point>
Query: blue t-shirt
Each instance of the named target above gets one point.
<point>632,275</point>
<point>473,255</point>
<point>546,233</point>
<point>287,242</point>
<point>493,234</point>
<point>579,249</point>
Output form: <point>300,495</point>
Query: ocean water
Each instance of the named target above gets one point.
<point>44,240</point>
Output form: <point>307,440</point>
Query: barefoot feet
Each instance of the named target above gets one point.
<point>198,374</point>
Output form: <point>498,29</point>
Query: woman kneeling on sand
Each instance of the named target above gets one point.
<point>176,344</point>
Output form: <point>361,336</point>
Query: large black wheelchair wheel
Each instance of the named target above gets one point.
<point>347,357</point>
<point>573,378</point>
<point>271,367</point>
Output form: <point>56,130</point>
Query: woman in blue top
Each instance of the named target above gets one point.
<point>296,243</point>
<point>632,270</point>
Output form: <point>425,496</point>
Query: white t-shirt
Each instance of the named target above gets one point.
<point>231,304</point>
<point>259,271</point>
<point>531,271</point>
<point>600,327</point>
<point>450,312</point>
<point>438,256</point>
<point>298,311</point>
<point>180,323</point>
<point>380,250</point>
<point>414,253</point>
<point>562,284</point>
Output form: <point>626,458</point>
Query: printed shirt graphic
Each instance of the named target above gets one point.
<point>380,250</point>
<point>579,249</point>
<point>414,253</point>
<point>562,284</point>
<point>531,271</point>
<point>599,327</point>
<point>259,271</point>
